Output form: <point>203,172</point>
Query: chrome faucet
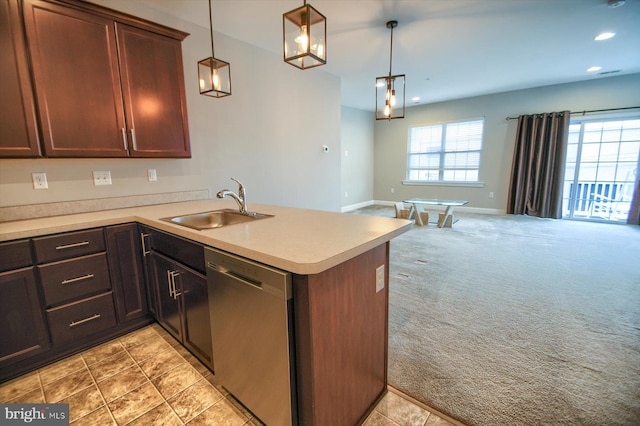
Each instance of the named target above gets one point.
<point>240,197</point>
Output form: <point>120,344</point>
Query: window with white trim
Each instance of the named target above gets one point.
<point>447,152</point>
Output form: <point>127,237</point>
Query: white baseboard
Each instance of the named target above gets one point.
<point>481,210</point>
<point>357,206</point>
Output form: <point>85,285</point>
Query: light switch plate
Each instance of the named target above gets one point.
<point>379,278</point>
<point>102,177</point>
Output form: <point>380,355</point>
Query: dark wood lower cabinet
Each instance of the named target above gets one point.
<point>341,340</point>
<point>196,320</point>
<point>177,289</point>
<point>127,277</point>
<point>66,292</point>
<point>168,313</point>
<point>183,305</point>
<point>23,332</point>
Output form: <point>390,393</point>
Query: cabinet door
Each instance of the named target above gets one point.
<point>149,272</point>
<point>168,300</point>
<point>75,69</point>
<point>153,87</point>
<point>18,128</point>
<point>125,264</point>
<point>197,325</point>
<point>22,328</point>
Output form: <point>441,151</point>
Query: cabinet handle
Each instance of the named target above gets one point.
<point>173,275</point>
<point>124,138</point>
<point>75,280</point>
<point>133,138</point>
<point>68,246</point>
<point>82,321</point>
<point>169,282</point>
<point>144,246</point>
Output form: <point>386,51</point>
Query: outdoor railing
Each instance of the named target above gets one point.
<point>599,200</point>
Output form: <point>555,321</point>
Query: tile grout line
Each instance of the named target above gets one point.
<point>44,399</point>
<point>164,400</point>
<point>148,380</point>
<point>95,383</point>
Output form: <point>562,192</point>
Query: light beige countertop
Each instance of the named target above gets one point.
<point>296,240</point>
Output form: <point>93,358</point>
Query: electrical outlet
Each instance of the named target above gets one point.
<point>346,194</point>
<point>152,175</point>
<point>379,278</point>
<point>491,194</point>
<point>39,180</point>
<point>102,178</point>
<point>393,190</point>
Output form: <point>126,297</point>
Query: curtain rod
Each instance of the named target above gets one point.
<point>591,111</point>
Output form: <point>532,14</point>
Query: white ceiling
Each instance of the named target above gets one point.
<point>448,49</point>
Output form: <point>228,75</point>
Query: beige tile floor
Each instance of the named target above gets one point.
<point>125,382</point>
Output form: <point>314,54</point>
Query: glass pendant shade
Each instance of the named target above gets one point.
<point>390,89</point>
<point>304,32</point>
<point>214,77</point>
<point>390,97</point>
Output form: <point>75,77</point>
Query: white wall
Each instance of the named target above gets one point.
<point>357,156</point>
<point>268,134</point>
<point>499,134</point>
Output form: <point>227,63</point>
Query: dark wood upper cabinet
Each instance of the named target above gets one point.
<point>75,68</point>
<point>18,125</point>
<point>105,88</point>
<point>153,87</point>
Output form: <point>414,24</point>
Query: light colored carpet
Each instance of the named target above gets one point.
<point>514,320</point>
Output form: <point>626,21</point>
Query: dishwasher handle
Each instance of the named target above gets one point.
<point>234,275</point>
<point>222,266</point>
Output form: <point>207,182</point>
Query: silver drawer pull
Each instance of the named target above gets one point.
<point>75,280</point>
<point>82,321</point>
<point>144,246</point>
<point>66,246</point>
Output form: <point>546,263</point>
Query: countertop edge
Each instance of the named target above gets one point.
<point>33,228</point>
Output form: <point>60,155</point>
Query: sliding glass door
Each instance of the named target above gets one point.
<point>603,157</point>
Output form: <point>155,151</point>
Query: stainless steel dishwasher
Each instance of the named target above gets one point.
<point>251,308</point>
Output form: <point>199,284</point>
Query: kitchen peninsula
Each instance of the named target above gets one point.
<point>339,265</point>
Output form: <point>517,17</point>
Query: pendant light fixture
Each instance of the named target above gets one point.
<point>390,89</point>
<point>304,34</point>
<point>214,75</point>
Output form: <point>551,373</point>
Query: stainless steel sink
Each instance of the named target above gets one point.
<point>215,219</point>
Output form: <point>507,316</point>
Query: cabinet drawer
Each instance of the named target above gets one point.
<point>79,319</point>
<point>71,244</point>
<point>184,251</point>
<point>75,278</point>
<point>15,255</point>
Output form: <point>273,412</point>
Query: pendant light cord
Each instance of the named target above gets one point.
<point>391,52</point>
<point>213,55</point>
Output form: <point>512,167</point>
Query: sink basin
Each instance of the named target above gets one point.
<point>215,219</point>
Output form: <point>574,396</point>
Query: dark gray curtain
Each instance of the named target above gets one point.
<point>537,171</point>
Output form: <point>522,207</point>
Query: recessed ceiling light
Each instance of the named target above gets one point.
<point>604,36</point>
<point>594,69</point>
<point>415,98</point>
